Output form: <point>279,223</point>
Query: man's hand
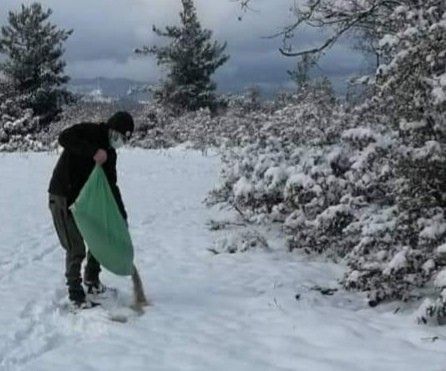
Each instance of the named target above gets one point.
<point>100,157</point>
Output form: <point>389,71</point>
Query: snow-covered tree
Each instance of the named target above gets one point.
<point>191,58</point>
<point>19,127</point>
<point>34,65</point>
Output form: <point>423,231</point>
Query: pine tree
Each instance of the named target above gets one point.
<point>34,65</point>
<point>191,58</point>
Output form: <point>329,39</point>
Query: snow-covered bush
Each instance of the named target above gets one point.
<point>19,128</point>
<point>240,242</point>
<point>370,186</point>
<point>412,85</point>
<point>336,194</point>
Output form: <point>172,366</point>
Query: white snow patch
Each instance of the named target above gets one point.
<point>398,262</point>
<point>440,280</point>
<point>429,266</point>
<point>243,188</point>
<point>433,231</point>
<point>441,249</point>
<point>275,176</point>
<point>359,134</point>
<point>388,40</point>
<point>412,125</point>
<point>300,179</point>
<point>439,95</point>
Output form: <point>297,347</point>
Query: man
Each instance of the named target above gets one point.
<point>85,145</point>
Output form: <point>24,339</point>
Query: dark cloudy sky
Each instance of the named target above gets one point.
<point>107,31</point>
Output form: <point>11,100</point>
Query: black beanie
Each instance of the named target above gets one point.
<point>122,122</point>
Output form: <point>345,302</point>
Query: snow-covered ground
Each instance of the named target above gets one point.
<point>211,312</point>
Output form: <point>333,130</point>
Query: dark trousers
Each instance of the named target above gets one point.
<point>73,243</point>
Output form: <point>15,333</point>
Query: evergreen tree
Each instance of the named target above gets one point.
<point>34,65</point>
<point>191,58</point>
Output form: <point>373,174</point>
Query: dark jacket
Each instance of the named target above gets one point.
<point>80,143</point>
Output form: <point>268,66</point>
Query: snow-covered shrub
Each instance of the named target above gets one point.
<point>412,85</point>
<point>433,311</point>
<point>397,253</point>
<point>285,164</point>
<point>335,193</point>
<point>241,242</point>
<point>374,192</point>
<point>20,129</point>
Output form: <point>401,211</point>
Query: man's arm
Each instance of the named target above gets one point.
<point>75,140</point>
<point>116,192</point>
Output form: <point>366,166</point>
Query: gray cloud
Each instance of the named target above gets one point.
<point>106,32</point>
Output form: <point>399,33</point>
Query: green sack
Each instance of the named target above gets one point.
<point>102,226</point>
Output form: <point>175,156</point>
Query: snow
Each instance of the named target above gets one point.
<point>440,280</point>
<point>429,266</point>
<point>441,249</point>
<point>388,40</point>
<point>359,134</point>
<point>442,79</point>
<point>433,231</point>
<point>275,176</point>
<point>381,221</point>
<point>211,312</point>
<point>243,188</point>
<point>439,95</point>
<point>399,261</point>
<point>97,95</point>
<point>400,9</point>
<point>411,32</point>
<point>300,179</point>
<point>431,148</point>
<point>413,125</point>
<point>331,212</point>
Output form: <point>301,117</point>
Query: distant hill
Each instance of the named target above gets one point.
<point>102,88</point>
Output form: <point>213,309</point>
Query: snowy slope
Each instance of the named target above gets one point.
<point>210,313</point>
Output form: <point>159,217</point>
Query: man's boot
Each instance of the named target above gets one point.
<point>95,288</point>
<point>77,297</point>
<point>76,294</point>
<point>91,276</point>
